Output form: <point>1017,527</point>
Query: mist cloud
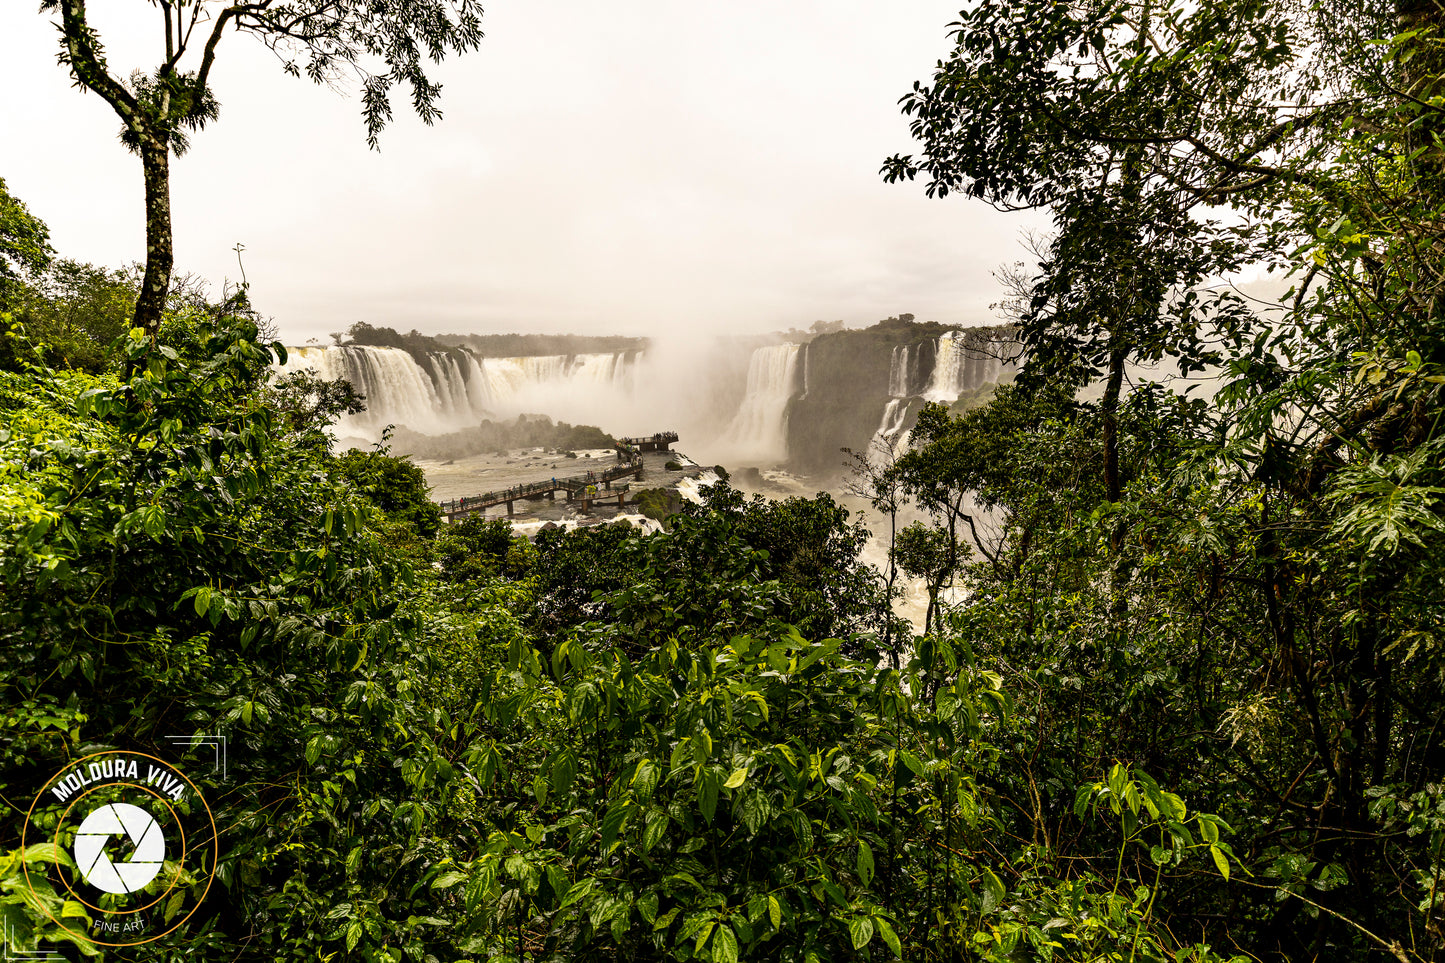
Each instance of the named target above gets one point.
<point>642,167</point>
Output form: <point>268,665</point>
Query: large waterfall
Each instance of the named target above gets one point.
<point>964,362</point>
<point>732,402</point>
<point>760,429</point>
<point>447,390</point>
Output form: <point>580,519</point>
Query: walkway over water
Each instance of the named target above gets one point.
<point>584,489</point>
<point>657,442</point>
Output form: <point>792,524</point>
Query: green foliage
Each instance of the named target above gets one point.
<point>770,798</point>
<point>526,431</point>
<point>24,244</point>
<point>809,546</point>
<point>306,403</point>
<point>659,504</point>
<point>1191,684</point>
<point>174,563</point>
<point>76,311</point>
<point>928,554</point>
<point>611,744</point>
<point>721,567</point>
<point>1233,594</point>
<point>32,915</point>
<point>477,549</point>
<point>395,486</point>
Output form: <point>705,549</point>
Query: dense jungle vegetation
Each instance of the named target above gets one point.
<point>1187,705</point>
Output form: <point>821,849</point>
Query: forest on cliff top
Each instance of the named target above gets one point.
<point>1185,704</point>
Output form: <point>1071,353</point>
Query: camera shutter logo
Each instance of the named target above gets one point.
<point>141,841</point>
<point>97,829</point>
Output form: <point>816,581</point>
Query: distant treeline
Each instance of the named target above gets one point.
<point>900,329</point>
<point>905,329</point>
<point>527,431</point>
<point>524,345</point>
<point>490,345</point>
<point>892,330</point>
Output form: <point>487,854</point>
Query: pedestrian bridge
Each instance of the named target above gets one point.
<point>584,489</point>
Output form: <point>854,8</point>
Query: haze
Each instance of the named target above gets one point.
<point>634,167</point>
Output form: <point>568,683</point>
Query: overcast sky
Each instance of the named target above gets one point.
<point>631,167</point>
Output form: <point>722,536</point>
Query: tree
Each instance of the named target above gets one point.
<point>1129,119</point>
<point>395,486</point>
<point>1257,567</point>
<point>325,39</point>
<point>927,553</point>
<point>24,243</point>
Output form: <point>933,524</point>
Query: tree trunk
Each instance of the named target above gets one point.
<point>160,256</point>
<point>1114,486</point>
<point>1109,410</point>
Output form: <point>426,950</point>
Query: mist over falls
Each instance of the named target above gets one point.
<point>735,402</point>
<point>760,428</point>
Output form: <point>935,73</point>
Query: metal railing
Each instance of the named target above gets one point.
<point>571,485</point>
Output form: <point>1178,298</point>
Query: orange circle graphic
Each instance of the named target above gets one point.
<point>210,875</point>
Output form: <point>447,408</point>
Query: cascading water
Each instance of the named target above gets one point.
<point>895,413</point>
<point>506,378</point>
<point>760,428</point>
<point>898,372</point>
<point>600,369</point>
<point>948,367</point>
<point>891,428</point>
<point>396,388</point>
<point>963,363</point>
<point>452,387</point>
<point>628,391</point>
<point>455,389</point>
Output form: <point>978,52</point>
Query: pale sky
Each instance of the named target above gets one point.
<point>629,167</point>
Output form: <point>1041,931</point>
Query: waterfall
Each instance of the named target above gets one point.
<point>455,401</point>
<point>948,369</point>
<point>479,396</point>
<point>895,413</point>
<point>760,427</point>
<point>891,429</point>
<point>506,378</point>
<point>599,369</point>
<point>963,362</point>
<point>454,389</point>
<point>898,372</point>
<point>397,389</point>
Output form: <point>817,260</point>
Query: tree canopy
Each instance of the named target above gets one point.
<point>1255,565</point>
<point>377,44</point>
<point>24,241</point>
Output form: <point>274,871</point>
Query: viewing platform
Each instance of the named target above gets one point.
<point>657,442</point>
<point>584,490</point>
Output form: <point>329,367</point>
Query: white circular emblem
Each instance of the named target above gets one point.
<point>95,831</point>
